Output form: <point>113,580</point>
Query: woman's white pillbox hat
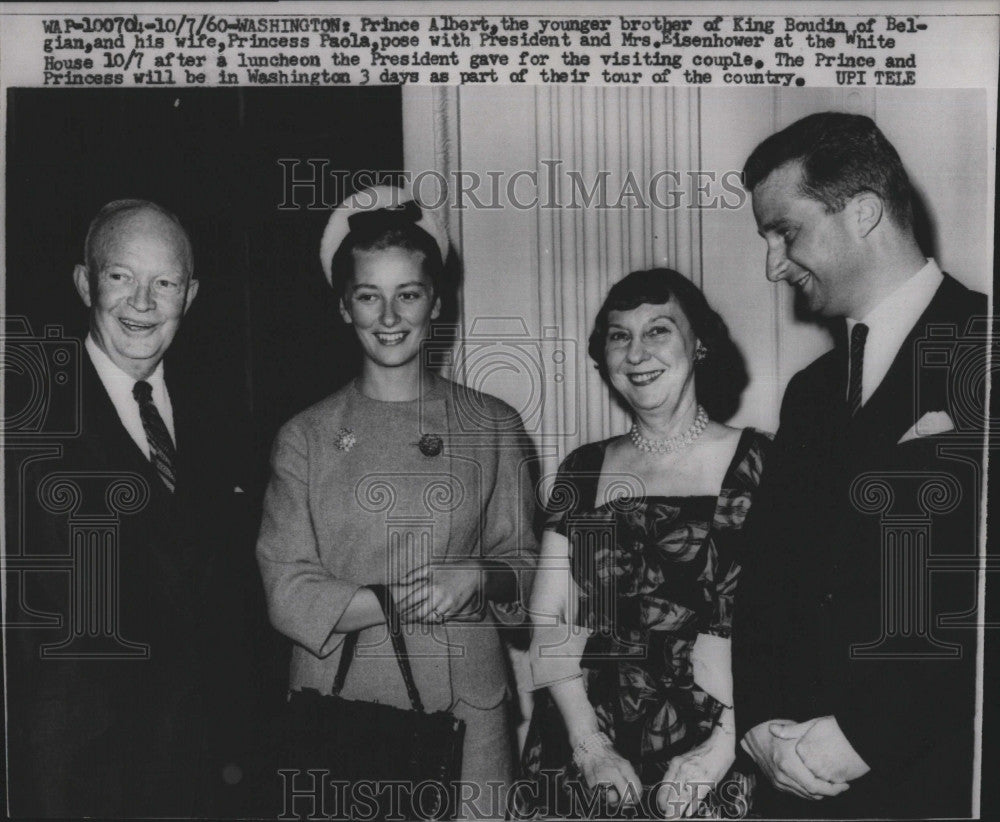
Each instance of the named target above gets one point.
<point>372,199</point>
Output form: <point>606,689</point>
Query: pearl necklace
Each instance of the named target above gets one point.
<point>671,444</point>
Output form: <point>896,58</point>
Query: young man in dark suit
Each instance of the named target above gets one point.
<point>116,716</point>
<point>850,696</point>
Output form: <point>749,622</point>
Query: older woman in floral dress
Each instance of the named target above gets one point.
<point>640,562</point>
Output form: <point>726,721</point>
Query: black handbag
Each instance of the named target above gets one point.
<point>346,759</point>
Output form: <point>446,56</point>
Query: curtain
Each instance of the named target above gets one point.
<point>625,198</point>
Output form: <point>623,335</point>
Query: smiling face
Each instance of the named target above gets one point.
<point>814,251</point>
<point>649,353</point>
<point>138,288</point>
<point>390,302</point>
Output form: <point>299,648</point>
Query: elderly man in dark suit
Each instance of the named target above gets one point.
<point>113,720</point>
<point>850,697</point>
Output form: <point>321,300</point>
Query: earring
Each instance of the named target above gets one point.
<point>700,352</point>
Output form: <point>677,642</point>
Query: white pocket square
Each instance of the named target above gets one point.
<point>931,423</point>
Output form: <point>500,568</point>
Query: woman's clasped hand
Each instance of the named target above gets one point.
<point>434,593</point>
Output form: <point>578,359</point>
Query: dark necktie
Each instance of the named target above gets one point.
<point>161,447</point>
<point>858,336</point>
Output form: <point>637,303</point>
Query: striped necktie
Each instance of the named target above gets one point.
<point>161,447</point>
<point>858,336</point>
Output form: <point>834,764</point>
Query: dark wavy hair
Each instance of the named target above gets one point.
<point>384,229</point>
<point>841,155</point>
<point>720,377</point>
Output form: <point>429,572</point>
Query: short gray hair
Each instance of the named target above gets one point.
<point>110,212</point>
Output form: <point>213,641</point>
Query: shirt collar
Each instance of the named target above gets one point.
<point>891,320</point>
<point>916,291</point>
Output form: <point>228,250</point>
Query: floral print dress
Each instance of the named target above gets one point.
<point>653,572</point>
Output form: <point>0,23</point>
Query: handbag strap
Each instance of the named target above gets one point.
<point>398,646</point>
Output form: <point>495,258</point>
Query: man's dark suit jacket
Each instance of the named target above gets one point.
<point>812,583</point>
<point>130,737</point>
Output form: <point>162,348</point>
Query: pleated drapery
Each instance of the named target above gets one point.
<point>616,192</point>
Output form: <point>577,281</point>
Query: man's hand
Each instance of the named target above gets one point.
<point>778,759</point>
<point>824,749</point>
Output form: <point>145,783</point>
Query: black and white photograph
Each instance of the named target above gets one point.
<point>527,411</point>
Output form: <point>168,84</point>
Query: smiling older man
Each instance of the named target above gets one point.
<point>111,718</point>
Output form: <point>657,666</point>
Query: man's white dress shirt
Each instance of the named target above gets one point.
<point>890,322</point>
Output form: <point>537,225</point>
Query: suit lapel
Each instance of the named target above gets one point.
<point>196,498</point>
<point>186,434</point>
<point>826,411</point>
<point>157,542</point>
<point>838,375</point>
